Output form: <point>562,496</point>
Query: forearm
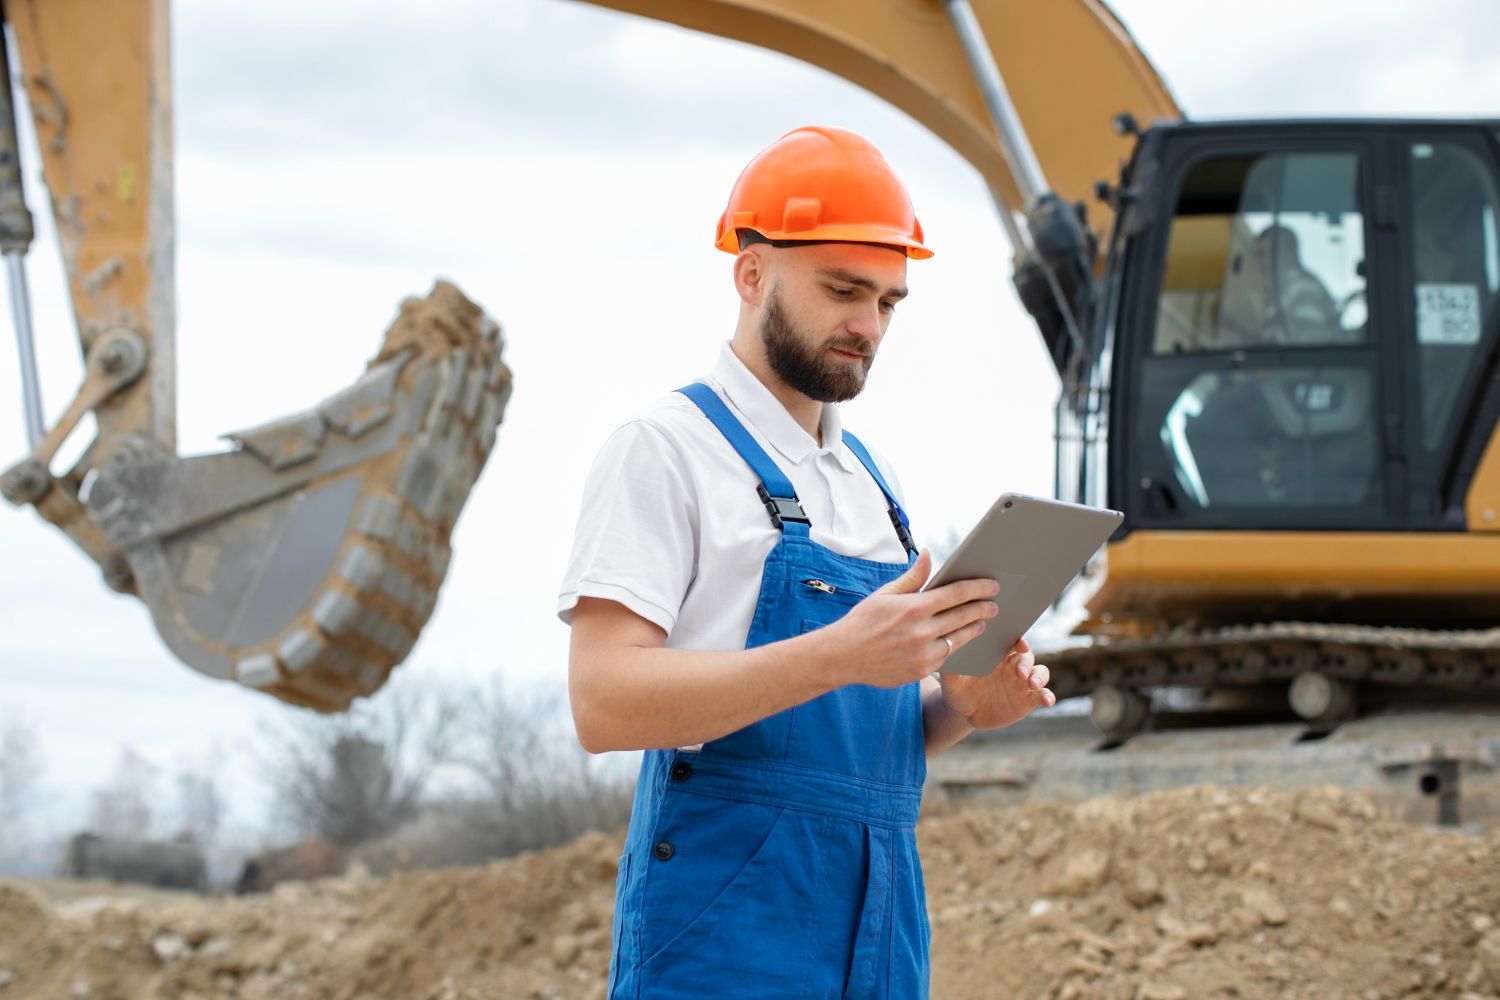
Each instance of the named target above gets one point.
<point>941,726</point>
<point>654,697</point>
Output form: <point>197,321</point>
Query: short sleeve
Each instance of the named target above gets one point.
<point>636,537</point>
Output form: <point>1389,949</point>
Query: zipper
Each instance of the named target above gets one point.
<point>825,587</point>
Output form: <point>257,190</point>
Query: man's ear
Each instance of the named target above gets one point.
<point>751,275</point>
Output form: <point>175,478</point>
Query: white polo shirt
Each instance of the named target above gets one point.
<point>671,526</point>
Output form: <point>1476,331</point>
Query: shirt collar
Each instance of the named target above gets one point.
<point>765,411</point>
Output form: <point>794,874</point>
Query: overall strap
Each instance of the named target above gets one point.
<point>898,516</point>
<point>774,488</point>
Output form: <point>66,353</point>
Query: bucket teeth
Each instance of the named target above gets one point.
<point>300,648</point>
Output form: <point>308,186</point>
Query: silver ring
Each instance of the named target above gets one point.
<point>950,645</point>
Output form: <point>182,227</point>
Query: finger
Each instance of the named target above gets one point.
<point>961,592</point>
<point>1024,663</point>
<point>1022,645</point>
<point>956,618</point>
<point>1044,698</point>
<point>911,581</point>
<point>963,636</point>
<point>1039,677</point>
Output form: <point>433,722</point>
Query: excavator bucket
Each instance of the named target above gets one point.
<point>306,561</point>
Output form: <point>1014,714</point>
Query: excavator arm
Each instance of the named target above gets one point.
<point>305,561</point>
<point>1070,68</point>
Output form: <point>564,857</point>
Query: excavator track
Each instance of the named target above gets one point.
<point>1322,662</point>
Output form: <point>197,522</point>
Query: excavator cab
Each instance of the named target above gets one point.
<point>1305,326</point>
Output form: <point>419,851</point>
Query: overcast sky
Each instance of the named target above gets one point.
<point>565,166</point>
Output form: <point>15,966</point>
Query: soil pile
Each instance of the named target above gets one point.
<point>1191,893</point>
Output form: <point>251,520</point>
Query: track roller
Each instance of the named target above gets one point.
<point>1320,699</point>
<point>1119,713</point>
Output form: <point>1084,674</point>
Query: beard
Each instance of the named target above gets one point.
<point>808,367</point>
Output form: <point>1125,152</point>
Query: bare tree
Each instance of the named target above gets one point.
<point>124,806</point>
<point>20,768</point>
<point>357,776</point>
<point>538,786</point>
<point>200,807</point>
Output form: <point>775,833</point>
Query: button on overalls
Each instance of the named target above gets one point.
<point>781,860</point>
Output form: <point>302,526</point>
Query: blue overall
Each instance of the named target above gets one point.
<point>781,860</point>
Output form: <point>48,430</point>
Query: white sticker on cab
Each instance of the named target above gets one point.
<point>1447,313</point>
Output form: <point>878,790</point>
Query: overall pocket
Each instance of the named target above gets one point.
<point>758,936</point>
<point>824,602</point>
<point>704,853</point>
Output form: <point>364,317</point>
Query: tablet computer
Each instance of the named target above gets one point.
<point>1034,548</point>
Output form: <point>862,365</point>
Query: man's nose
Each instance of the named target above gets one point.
<point>866,323</point>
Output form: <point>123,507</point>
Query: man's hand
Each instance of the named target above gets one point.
<point>895,636</point>
<point>1005,695</point>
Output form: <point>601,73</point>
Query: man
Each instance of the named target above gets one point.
<point>745,604</point>
<point>1298,308</point>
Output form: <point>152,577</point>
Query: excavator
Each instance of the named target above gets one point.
<point>1276,343</point>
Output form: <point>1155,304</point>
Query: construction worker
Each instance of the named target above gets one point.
<point>744,599</point>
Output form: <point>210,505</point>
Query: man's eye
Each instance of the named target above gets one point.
<point>842,293</point>
<point>887,307</point>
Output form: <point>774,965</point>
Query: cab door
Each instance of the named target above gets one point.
<point>1256,385</point>
<point>1449,293</point>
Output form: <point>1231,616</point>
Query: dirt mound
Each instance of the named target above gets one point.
<point>1202,892</point>
<point>1210,893</point>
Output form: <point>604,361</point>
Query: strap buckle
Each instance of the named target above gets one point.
<point>901,531</point>
<point>781,508</point>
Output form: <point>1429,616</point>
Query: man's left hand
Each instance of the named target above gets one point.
<point>1005,695</point>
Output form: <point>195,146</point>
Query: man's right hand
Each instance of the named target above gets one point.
<point>895,636</point>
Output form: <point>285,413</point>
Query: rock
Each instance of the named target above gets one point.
<point>1085,870</point>
<point>170,946</point>
<point>1167,954</point>
<point>1264,904</point>
<point>1144,890</point>
<point>6,978</point>
<point>565,948</point>
<point>1195,933</point>
<point>1086,938</point>
<point>1199,934</point>
<point>1040,908</point>
<point>1319,813</point>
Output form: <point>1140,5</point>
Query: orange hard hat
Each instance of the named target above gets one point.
<point>821,183</point>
